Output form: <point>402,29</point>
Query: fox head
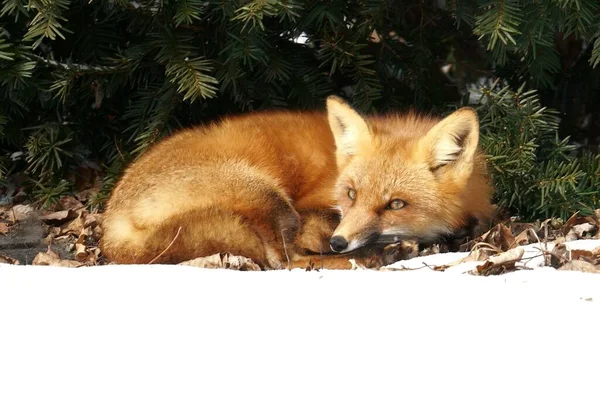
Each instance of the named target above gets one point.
<point>405,176</point>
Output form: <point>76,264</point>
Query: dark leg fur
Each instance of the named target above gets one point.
<point>316,229</point>
<point>457,238</point>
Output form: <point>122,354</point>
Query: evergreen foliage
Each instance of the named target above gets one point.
<point>535,172</point>
<point>98,80</point>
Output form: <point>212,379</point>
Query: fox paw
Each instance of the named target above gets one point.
<point>316,244</point>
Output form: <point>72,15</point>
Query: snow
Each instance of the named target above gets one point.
<point>532,258</point>
<point>176,332</point>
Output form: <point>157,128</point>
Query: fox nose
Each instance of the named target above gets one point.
<point>338,243</point>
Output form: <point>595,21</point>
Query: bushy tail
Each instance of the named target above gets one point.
<point>183,237</point>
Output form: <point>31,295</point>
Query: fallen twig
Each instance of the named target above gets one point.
<point>168,247</point>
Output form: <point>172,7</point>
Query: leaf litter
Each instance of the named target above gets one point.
<point>73,227</point>
<point>500,247</point>
<point>69,225</point>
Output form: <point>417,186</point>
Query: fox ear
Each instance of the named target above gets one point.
<point>453,140</point>
<point>350,130</point>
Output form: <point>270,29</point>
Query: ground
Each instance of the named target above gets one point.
<point>68,235</point>
<point>500,320</point>
<point>26,240</point>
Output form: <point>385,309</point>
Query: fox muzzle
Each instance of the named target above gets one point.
<point>338,244</point>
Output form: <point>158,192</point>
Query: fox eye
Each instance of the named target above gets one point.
<point>396,204</point>
<point>352,194</point>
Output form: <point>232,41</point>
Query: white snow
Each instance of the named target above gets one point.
<point>175,332</point>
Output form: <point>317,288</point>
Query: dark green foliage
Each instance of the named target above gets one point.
<point>535,173</point>
<point>48,195</point>
<point>103,80</point>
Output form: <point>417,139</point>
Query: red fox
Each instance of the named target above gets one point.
<point>283,187</point>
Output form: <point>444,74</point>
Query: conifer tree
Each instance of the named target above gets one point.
<point>91,80</point>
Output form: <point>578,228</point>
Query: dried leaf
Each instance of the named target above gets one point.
<point>223,260</point>
<point>51,258</point>
<point>81,239</point>
<point>585,230</point>
<point>72,227</point>
<point>84,176</point>
<point>523,238</point>
<point>488,269</point>
<point>429,250</point>
<point>576,219</point>
<point>501,263</point>
<point>571,235</point>
<point>500,236</point>
<point>580,265</point>
<point>578,227</point>
<point>404,250</point>
<point>549,229</point>
<point>21,212</point>
<point>480,252</point>
<point>81,253</point>
<point>518,228</point>
<point>592,257</point>
<point>91,220</point>
<point>87,194</point>
<point>87,232</point>
<point>559,255</point>
<point>8,260</point>
<point>580,254</point>
<point>510,256</point>
<point>59,217</point>
<point>97,232</point>
<point>4,229</point>
<point>68,203</point>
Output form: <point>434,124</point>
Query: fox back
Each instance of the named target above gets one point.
<point>279,187</point>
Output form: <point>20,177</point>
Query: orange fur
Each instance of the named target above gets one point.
<point>266,186</point>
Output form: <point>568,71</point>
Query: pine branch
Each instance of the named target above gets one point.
<point>595,57</point>
<point>6,52</point>
<point>534,172</point>
<point>47,21</point>
<point>132,71</point>
<point>254,12</point>
<point>150,115</point>
<point>15,8</point>
<point>499,23</point>
<point>191,78</point>
<point>189,11</point>
<point>78,68</point>
<point>17,74</point>
<point>3,122</point>
<point>47,148</point>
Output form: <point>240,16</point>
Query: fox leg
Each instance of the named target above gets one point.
<point>317,261</point>
<point>371,257</point>
<point>279,244</point>
<point>316,230</point>
<point>336,261</point>
<point>312,244</point>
